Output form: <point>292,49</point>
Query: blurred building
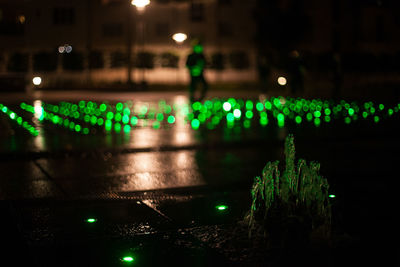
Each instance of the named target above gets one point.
<point>97,42</point>
<point>90,41</point>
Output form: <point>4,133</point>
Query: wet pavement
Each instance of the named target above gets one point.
<point>154,191</point>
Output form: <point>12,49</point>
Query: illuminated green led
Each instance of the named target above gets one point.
<point>327,118</point>
<point>237,113</point>
<point>298,119</point>
<point>103,107</point>
<point>91,220</point>
<point>365,114</point>
<point>171,119</point>
<point>110,115</point>
<point>390,112</point>
<point>4,109</point>
<point>376,119</point>
<point>128,259</point>
<point>317,122</point>
<point>119,106</point>
<point>227,106</point>
<point>351,111</point>
<point>280,117</point>
<point>156,125</point>
<point>160,116</point>
<point>215,120</point>
<point>117,127</point>
<point>12,115</point>
<point>134,120</point>
<point>221,207</point>
<point>195,124</point>
<point>77,128</point>
<point>108,125</point>
<point>196,105</point>
<point>264,121</point>
<point>268,105</point>
<point>126,111</point>
<point>202,118</point>
<point>259,106</point>
<point>125,119</point>
<point>249,104</point>
<point>332,196</point>
<point>249,114</point>
<point>93,120</point>
<point>230,117</point>
<point>381,106</point>
<point>317,113</point>
<point>309,116</point>
<point>118,117</point>
<point>127,128</point>
<point>100,121</point>
<point>347,120</point>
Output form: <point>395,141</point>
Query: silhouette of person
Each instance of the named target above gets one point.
<point>195,63</point>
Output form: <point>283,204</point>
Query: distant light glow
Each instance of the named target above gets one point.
<point>282,81</point>
<point>37,80</point>
<point>140,4</point>
<point>332,196</point>
<point>91,220</point>
<point>179,37</point>
<point>227,106</point>
<point>128,259</point>
<point>221,207</point>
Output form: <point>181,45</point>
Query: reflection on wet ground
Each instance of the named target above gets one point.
<point>154,188</point>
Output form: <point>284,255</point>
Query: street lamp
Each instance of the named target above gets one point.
<point>179,37</point>
<point>140,4</point>
<point>140,7</point>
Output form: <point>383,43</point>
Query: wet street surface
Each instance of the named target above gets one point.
<point>174,192</point>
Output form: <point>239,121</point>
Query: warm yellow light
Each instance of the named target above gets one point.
<point>140,4</point>
<point>282,81</point>
<point>21,19</point>
<point>179,37</point>
<point>37,80</point>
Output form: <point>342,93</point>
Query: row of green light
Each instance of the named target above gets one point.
<point>20,121</point>
<point>55,119</point>
<point>314,110</point>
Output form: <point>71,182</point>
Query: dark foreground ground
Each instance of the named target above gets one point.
<point>154,198</point>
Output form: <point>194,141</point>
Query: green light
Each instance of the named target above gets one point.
<point>376,119</point>
<point>156,125</point>
<point>381,106</point>
<point>118,117</point>
<point>119,106</point>
<point>91,220</point>
<point>103,107</point>
<point>128,259</point>
<point>298,119</point>
<point>327,118</point>
<point>317,114</point>
<point>134,120</point>
<point>160,116</point>
<point>227,106</point>
<point>365,114</point>
<point>351,111</point>
<point>390,112</point>
<point>12,115</point>
<point>110,115</point>
<point>230,117</point>
<point>221,207</point>
<point>127,128</point>
<point>268,105</point>
<point>108,125</point>
<point>317,122</point>
<point>259,106</point>
<point>249,114</point>
<point>195,124</point>
<point>77,128</point>
<point>125,119</point>
<point>171,119</point>
<point>347,120</point>
<point>332,196</point>
<point>309,116</point>
<point>249,104</point>
<point>280,117</point>
<point>100,121</point>
<point>237,113</point>
<point>85,131</point>
<point>196,105</point>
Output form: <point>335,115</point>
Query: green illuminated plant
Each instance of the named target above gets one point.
<point>297,199</point>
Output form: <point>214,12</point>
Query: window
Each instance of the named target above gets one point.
<point>45,61</point>
<point>112,29</point>
<point>225,29</point>
<point>72,61</point>
<point>145,60</point>
<point>118,60</point>
<point>96,60</point>
<point>217,61</point>
<point>197,12</point>
<point>239,60</point>
<point>18,63</point>
<point>162,29</point>
<point>169,60</point>
<point>63,15</point>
